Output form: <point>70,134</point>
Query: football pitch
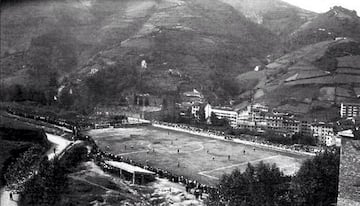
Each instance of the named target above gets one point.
<point>196,157</point>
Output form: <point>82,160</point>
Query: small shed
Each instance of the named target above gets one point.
<point>138,174</point>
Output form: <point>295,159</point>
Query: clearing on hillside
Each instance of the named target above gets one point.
<point>200,158</point>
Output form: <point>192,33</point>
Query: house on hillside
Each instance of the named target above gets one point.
<point>191,103</point>
<point>193,96</point>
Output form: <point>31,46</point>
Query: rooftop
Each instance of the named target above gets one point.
<point>193,93</point>
<point>346,133</point>
<point>129,168</point>
<point>229,109</point>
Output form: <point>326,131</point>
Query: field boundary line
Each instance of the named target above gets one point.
<point>134,152</point>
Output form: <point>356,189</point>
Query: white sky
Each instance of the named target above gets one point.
<point>321,6</point>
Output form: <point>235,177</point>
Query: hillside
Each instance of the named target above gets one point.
<point>278,16</point>
<point>337,22</point>
<point>311,81</point>
<point>94,48</point>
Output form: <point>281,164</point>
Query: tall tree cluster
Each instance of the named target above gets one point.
<point>315,184</point>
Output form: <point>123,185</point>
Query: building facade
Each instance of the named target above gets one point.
<point>350,110</point>
<point>324,133</point>
<point>222,113</point>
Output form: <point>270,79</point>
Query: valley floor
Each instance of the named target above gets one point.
<point>200,158</point>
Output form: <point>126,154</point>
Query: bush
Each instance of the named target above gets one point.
<point>45,188</point>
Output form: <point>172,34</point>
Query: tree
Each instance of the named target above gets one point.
<point>213,118</point>
<point>46,187</point>
<point>316,183</point>
<point>18,93</point>
<point>257,185</point>
<point>202,114</point>
<point>218,122</point>
<point>356,133</point>
<point>303,139</point>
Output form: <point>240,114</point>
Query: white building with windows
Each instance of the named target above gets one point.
<point>350,110</point>
<point>195,110</point>
<point>324,133</point>
<point>222,113</point>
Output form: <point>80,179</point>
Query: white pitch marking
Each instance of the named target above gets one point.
<point>196,150</point>
<point>201,148</point>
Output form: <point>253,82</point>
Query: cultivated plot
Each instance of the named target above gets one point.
<point>200,158</point>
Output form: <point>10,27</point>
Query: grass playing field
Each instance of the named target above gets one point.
<point>196,157</point>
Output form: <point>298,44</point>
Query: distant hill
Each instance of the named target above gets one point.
<point>95,48</point>
<point>311,81</point>
<point>337,22</point>
<point>278,16</point>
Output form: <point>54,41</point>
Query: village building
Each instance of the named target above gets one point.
<point>246,124</point>
<point>324,132</point>
<point>195,110</point>
<point>191,102</point>
<point>305,128</point>
<point>292,126</point>
<point>275,122</point>
<point>222,113</point>
<point>193,96</point>
<point>348,110</point>
<point>258,117</point>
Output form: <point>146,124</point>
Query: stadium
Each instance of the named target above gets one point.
<point>201,158</point>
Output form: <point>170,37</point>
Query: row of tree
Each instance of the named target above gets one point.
<point>315,184</point>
